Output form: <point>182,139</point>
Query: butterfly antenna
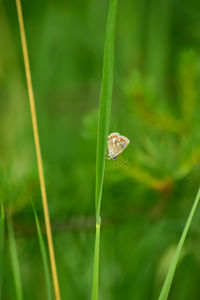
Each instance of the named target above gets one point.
<point>115,163</point>
<point>125,164</point>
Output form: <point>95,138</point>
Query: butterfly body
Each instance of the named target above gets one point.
<point>116,144</point>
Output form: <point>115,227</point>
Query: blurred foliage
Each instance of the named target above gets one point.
<point>156,105</point>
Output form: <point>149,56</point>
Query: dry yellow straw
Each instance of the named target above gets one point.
<point>37,148</point>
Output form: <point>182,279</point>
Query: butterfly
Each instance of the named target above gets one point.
<point>116,144</point>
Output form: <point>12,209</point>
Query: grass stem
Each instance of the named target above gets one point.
<point>170,274</point>
<point>37,148</point>
<point>14,260</point>
<point>43,254</point>
<point>2,242</point>
<point>103,127</point>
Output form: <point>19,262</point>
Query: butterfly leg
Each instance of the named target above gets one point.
<point>107,156</point>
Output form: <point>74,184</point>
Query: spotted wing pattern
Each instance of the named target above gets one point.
<point>116,144</point>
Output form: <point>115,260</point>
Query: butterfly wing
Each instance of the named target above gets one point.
<point>124,140</point>
<point>116,144</point>
<point>123,143</point>
<point>113,135</point>
<point>113,141</point>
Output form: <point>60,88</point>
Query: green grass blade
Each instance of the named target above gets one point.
<point>103,126</point>
<point>14,260</point>
<point>105,102</point>
<point>96,265</point>
<point>44,255</point>
<point>170,274</point>
<point>2,236</point>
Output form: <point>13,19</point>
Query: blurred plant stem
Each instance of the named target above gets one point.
<point>172,268</point>
<point>2,236</point>
<point>43,254</point>
<point>14,259</point>
<point>38,150</point>
<point>147,179</point>
<point>103,126</point>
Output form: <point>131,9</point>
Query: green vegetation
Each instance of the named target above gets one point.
<point>44,256</point>
<point>145,205</point>
<point>103,129</point>
<point>2,235</point>
<point>14,261</point>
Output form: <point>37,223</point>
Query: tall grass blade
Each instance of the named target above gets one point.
<point>2,236</point>
<point>38,150</point>
<point>170,274</point>
<point>103,126</point>
<point>44,255</point>
<point>14,260</point>
<point>95,286</point>
<point>105,102</point>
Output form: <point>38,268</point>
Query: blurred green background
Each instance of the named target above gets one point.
<point>156,104</point>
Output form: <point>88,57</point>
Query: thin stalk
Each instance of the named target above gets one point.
<point>103,126</point>
<point>38,150</point>
<point>44,255</point>
<point>170,274</point>
<point>14,260</point>
<point>2,237</point>
<point>95,284</point>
